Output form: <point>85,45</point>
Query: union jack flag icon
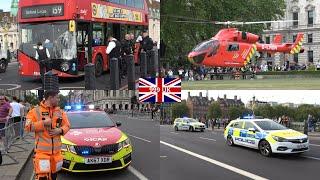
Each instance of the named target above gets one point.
<point>160,90</point>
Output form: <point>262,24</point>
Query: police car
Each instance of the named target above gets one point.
<point>188,124</point>
<point>265,135</point>
<point>94,143</point>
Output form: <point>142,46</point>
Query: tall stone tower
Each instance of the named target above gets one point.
<point>14,7</point>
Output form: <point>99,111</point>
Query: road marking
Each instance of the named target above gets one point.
<point>207,139</point>
<point>218,163</point>
<point>174,133</point>
<point>139,138</point>
<point>137,173</point>
<point>16,86</point>
<point>314,145</point>
<point>310,157</point>
<point>163,156</point>
<point>32,176</point>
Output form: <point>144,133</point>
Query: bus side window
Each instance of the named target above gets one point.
<point>98,34</point>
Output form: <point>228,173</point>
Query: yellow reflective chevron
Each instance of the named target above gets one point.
<point>252,50</point>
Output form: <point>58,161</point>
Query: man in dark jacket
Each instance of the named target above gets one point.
<point>126,47</point>
<point>146,43</point>
<point>43,56</point>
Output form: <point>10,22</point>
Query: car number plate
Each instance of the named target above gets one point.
<point>302,146</point>
<point>98,160</point>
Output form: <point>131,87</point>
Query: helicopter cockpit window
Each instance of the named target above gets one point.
<point>204,45</point>
<point>233,47</point>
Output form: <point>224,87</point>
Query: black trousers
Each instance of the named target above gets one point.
<point>45,66</point>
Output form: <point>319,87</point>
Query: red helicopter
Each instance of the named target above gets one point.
<point>233,48</point>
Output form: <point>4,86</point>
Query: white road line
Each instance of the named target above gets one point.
<point>32,176</point>
<point>16,86</point>
<point>310,157</point>
<point>137,173</point>
<point>139,138</point>
<point>174,133</point>
<point>207,139</point>
<point>218,163</point>
<point>314,145</point>
<point>163,156</point>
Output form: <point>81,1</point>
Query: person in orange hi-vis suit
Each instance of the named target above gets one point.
<point>49,123</point>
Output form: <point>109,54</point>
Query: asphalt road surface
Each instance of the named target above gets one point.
<point>11,80</point>
<point>145,136</point>
<point>197,155</point>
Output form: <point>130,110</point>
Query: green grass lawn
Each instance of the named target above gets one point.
<point>292,83</point>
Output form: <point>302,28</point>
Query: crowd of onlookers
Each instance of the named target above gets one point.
<point>195,73</point>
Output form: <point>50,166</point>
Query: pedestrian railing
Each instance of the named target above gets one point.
<point>8,140</point>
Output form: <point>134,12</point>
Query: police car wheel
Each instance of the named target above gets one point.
<point>265,148</point>
<point>191,129</point>
<point>230,141</point>
<point>176,128</point>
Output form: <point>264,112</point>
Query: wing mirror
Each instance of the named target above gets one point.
<point>118,123</point>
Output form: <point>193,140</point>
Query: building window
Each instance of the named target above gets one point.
<point>309,38</point>
<point>295,18</point>
<point>114,93</point>
<point>268,40</point>
<point>296,58</point>
<point>310,18</point>
<point>294,37</point>
<point>310,56</point>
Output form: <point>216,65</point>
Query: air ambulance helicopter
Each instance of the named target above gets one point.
<point>233,48</point>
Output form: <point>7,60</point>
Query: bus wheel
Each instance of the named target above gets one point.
<point>99,68</point>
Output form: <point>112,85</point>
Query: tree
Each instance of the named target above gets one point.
<point>180,38</point>
<point>265,111</point>
<point>236,112</point>
<point>214,111</point>
<point>179,110</point>
<point>32,99</point>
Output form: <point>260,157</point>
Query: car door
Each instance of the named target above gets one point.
<point>249,132</point>
<point>236,135</point>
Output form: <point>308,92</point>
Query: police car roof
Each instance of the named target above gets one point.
<point>264,119</point>
<point>81,111</point>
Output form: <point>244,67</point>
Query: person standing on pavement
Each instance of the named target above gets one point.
<point>146,44</point>
<point>49,123</point>
<point>43,56</point>
<point>114,50</point>
<point>126,48</point>
<point>5,113</point>
<point>17,110</point>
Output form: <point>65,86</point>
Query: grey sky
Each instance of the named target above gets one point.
<point>280,96</point>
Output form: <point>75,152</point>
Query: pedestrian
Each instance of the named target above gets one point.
<point>5,113</point>
<point>49,123</point>
<point>146,44</point>
<point>126,49</point>
<point>17,112</point>
<point>43,56</point>
<point>114,51</point>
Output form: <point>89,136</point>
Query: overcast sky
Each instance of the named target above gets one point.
<point>280,96</point>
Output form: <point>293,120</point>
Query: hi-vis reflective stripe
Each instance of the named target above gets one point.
<point>296,49</point>
<point>46,140</point>
<point>250,54</point>
<point>48,148</point>
<point>38,113</point>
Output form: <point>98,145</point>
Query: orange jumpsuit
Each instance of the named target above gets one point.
<point>47,159</point>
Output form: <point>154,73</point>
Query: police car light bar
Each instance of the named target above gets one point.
<point>78,107</point>
<point>67,107</point>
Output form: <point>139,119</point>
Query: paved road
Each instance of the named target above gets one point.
<point>11,80</point>
<point>145,136</point>
<point>196,155</point>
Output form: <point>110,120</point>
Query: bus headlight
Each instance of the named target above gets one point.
<point>65,67</point>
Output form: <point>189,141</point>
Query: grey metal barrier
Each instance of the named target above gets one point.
<point>9,136</point>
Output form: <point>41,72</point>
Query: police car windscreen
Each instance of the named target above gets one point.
<point>270,125</point>
<point>90,120</point>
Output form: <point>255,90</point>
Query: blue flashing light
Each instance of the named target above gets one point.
<point>248,116</point>
<point>78,107</point>
<point>67,107</point>
<point>86,152</point>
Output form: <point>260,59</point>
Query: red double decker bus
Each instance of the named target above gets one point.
<point>71,29</point>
